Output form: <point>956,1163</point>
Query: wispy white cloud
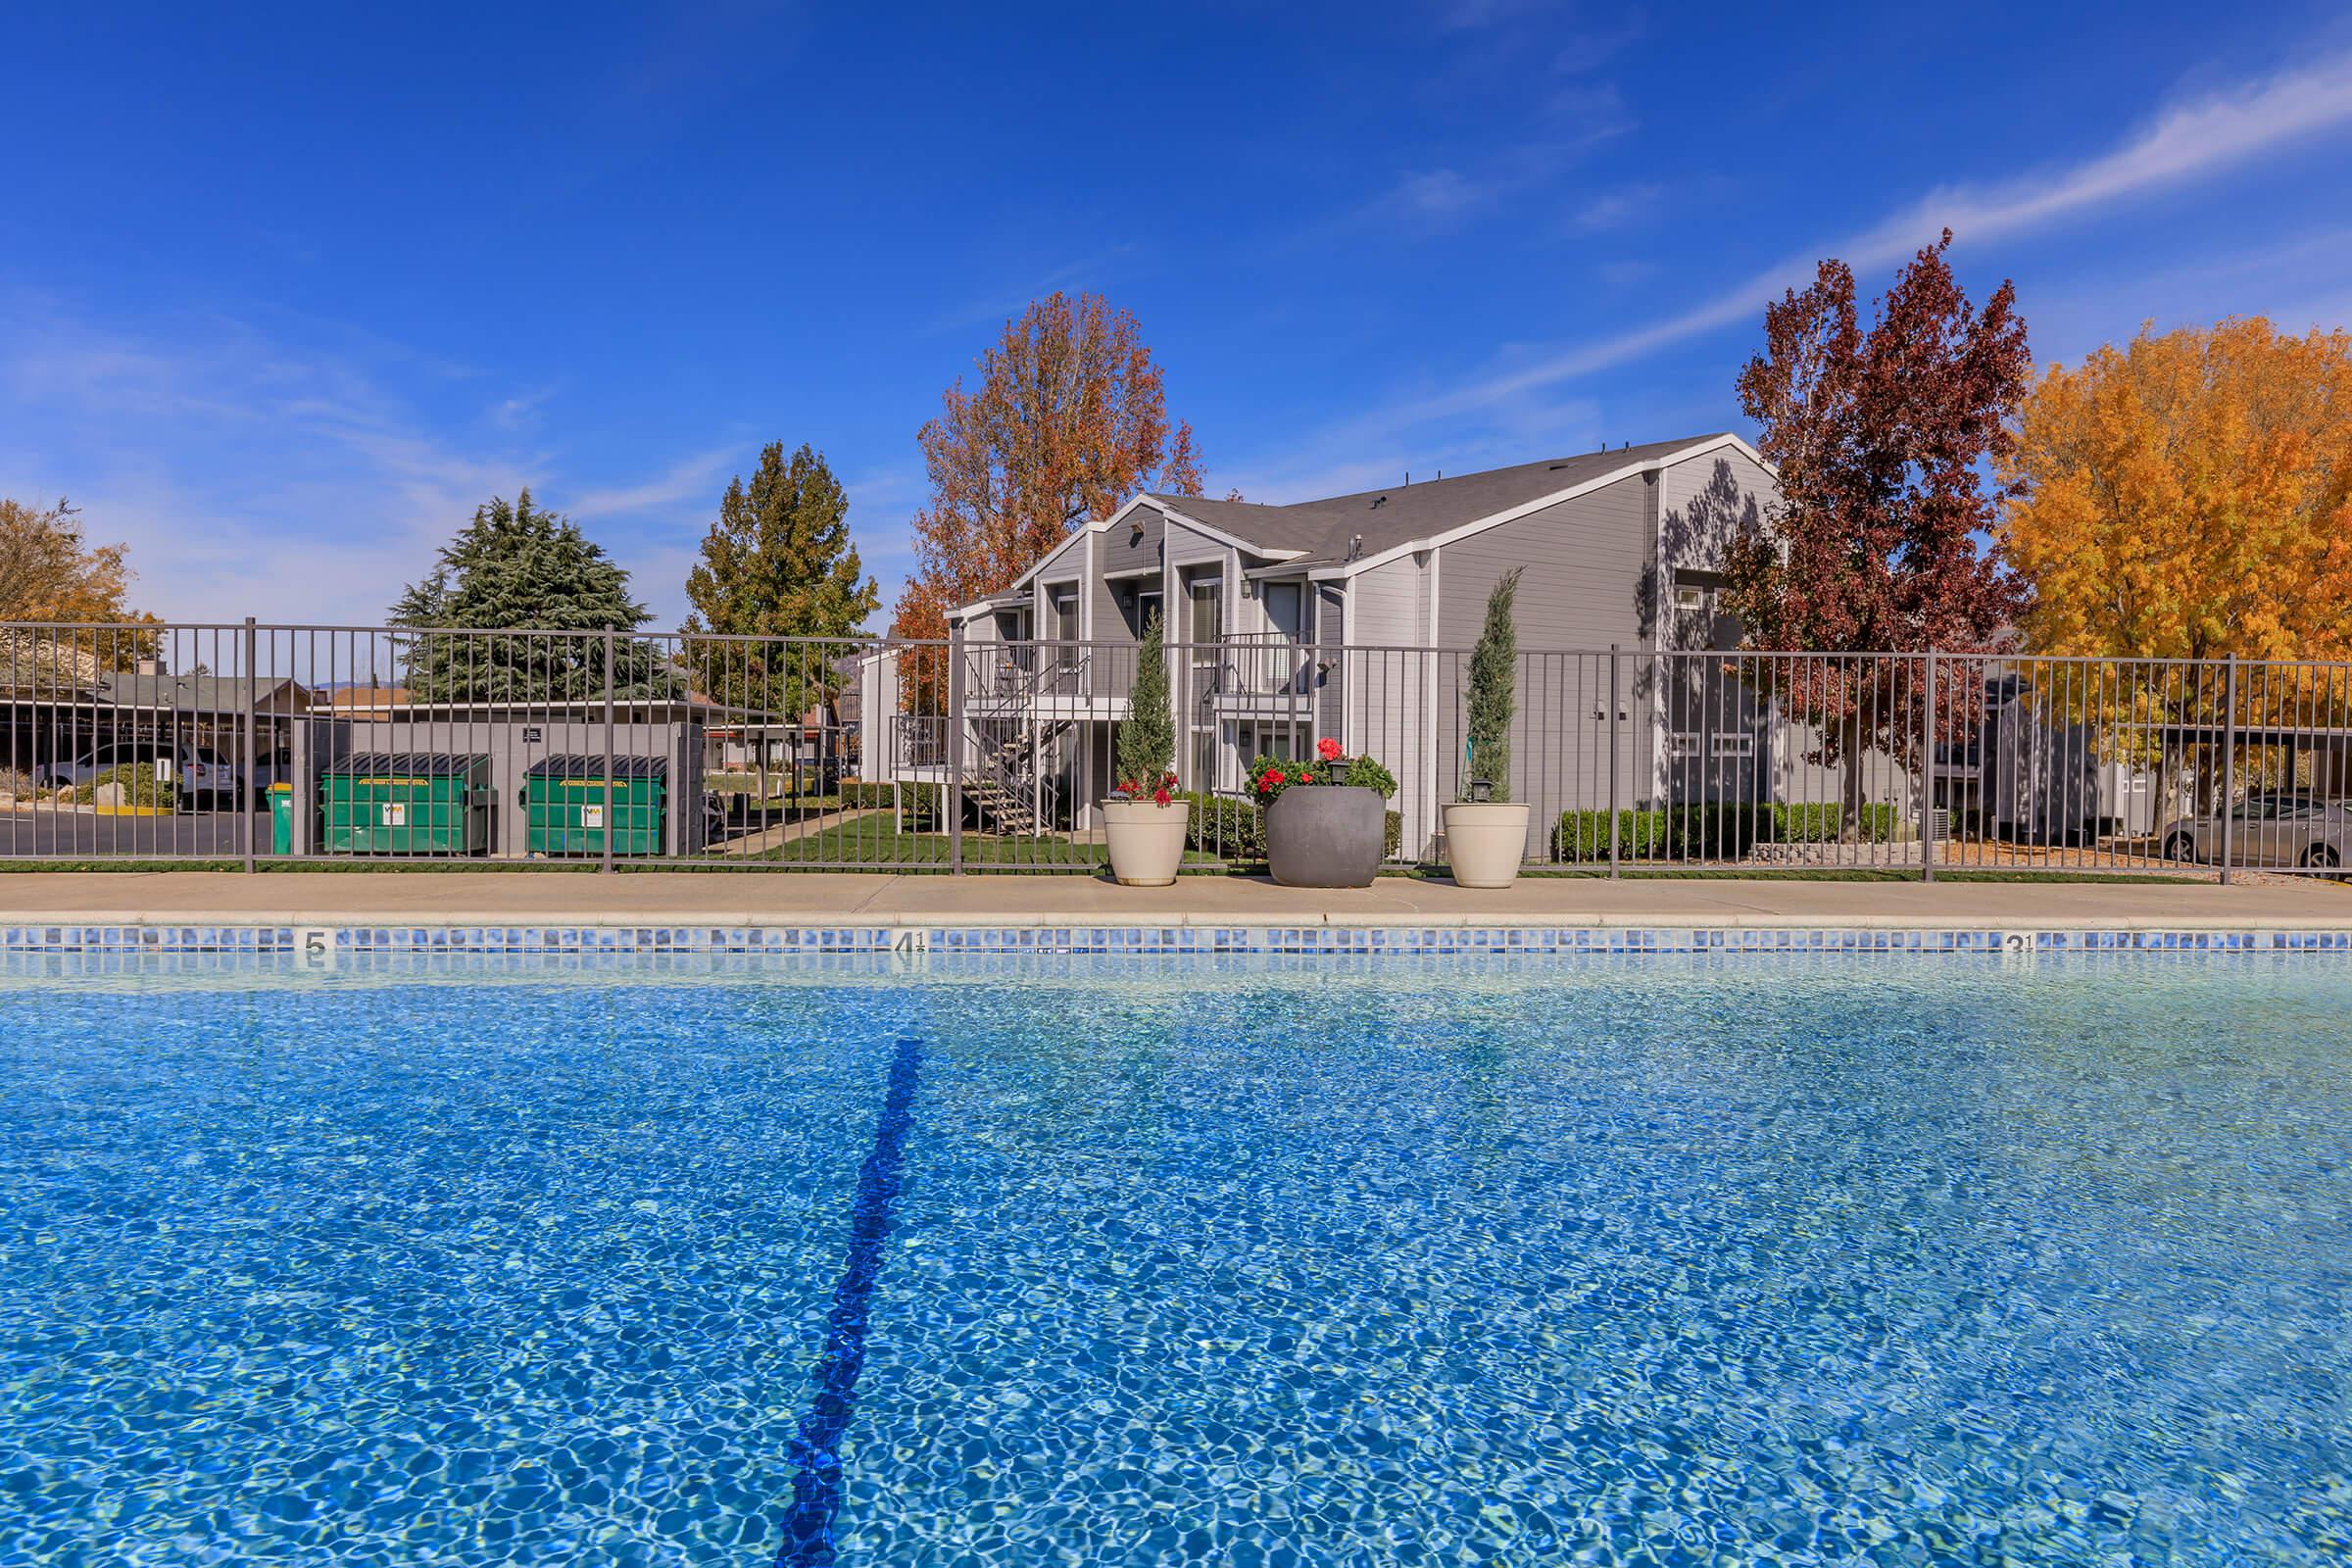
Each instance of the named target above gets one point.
<point>994,310</point>
<point>697,479</point>
<point>2192,140</point>
<point>1618,209</point>
<point>253,476</point>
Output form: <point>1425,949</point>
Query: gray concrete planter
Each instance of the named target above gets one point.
<point>1326,836</point>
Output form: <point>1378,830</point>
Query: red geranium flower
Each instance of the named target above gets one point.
<point>1328,749</point>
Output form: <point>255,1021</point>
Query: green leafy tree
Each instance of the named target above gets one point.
<point>522,569</point>
<point>777,563</point>
<point>1147,742</point>
<point>1494,692</point>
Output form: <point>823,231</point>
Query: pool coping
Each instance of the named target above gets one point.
<point>907,937</point>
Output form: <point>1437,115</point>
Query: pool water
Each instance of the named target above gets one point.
<point>1251,1262</point>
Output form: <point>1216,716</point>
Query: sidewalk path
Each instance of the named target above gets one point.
<point>746,897</point>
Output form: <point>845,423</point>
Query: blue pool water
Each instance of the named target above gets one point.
<point>1253,1261</point>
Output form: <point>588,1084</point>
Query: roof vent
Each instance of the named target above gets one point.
<point>1557,467</point>
<point>1355,547</point>
<point>1379,501</point>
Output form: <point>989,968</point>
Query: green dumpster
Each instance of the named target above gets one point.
<point>406,803</point>
<point>281,819</point>
<point>565,806</point>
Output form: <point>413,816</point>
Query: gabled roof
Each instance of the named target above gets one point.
<point>1323,534</point>
<point>193,694</point>
<point>1359,530</point>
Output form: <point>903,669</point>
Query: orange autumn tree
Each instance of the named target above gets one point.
<point>1068,420</point>
<point>2189,496</point>
<point>49,571</point>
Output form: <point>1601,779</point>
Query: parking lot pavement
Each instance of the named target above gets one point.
<point>48,835</point>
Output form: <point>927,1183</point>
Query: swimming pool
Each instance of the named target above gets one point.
<point>1616,1259</point>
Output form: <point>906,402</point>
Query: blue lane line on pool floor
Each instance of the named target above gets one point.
<point>817,1453</point>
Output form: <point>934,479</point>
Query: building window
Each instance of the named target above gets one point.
<point>1681,743</point>
<point>1690,597</point>
<point>1739,744</point>
<point>1283,609</point>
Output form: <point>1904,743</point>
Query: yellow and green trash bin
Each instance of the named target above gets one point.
<point>281,819</point>
<point>566,809</point>
<point>406,803</point>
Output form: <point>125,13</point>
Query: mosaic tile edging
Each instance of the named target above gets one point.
<point>1079,939</point>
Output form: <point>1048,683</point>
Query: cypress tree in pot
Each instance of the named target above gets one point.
<point>1144,817</point>
<point>1486,830</point>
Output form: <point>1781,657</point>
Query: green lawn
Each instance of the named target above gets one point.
<point>877,838</point>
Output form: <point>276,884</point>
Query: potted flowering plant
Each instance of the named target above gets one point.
<point>1486,830</point>
<point>1326,820</point>
<point>1144,818</point>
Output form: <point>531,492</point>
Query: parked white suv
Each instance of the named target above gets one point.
<point>198,773</point>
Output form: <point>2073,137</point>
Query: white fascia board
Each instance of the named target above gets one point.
<point>1221,536</point>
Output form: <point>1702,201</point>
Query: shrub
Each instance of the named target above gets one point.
<point>1270,776</point>
<point>1677,833</point>
<point>1392,836</point>
<point>1711,832</point>
<point>19,783</point>
<point>1585,835</point>
<point>1366,774</point>
<point>140,787</point>
<point>1220,825</point>
<point>1824,822</point>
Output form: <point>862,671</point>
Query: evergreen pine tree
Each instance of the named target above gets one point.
<point>1493,693</point>
<point>521,568</point>
<point>778,562</point>
<point>1147,741</point>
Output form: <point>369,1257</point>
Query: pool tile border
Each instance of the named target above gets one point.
<point>1139,939</point>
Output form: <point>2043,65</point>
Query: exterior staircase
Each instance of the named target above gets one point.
<point>1002,780</point>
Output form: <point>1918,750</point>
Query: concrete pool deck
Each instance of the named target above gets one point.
<point>737,899</point>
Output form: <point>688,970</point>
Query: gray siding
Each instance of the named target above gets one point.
<point>1586,585</point>
<point>1118,548</point>
<point>1704,503</point>
<point>1392,711</point>
<point>1586,562</point>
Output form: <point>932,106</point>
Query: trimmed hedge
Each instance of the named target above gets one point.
<point>1823,822</point>
<point>1220,825</point>
<point>1678,833</point>
<point>1714,832</point>
<point>917,802</point>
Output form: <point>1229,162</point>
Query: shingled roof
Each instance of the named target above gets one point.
<point>1323,532</point>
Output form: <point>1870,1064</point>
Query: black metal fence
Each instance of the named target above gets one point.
<point>252,745</point>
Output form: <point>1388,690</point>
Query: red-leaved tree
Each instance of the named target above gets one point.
<point>1884,441</point>
<point>1068,420</point>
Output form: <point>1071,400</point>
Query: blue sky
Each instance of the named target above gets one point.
<point>290,290</point>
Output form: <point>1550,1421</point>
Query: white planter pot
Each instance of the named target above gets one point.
<point>1485,842</point>
<point>1146,840</point>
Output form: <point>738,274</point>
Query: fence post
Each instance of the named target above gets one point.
<point>245,766</point>
<point>2229,758</point>
<point>1615,713</point>
<point>954,790</point>
<point>606,861</point>
<point>1926,775</point>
